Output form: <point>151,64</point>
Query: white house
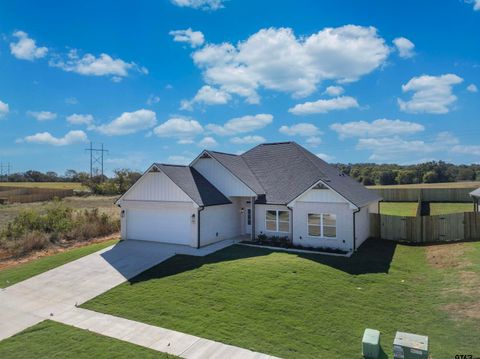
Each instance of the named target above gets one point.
<point>276,189</point>
<point>476,199</point>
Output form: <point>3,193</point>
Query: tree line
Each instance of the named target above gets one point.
<point>365,173</point>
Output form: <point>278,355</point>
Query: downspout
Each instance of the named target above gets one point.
<point>252,235</point>
<point>354,230</point>
<point>291,223</point>
<point>201,208</point>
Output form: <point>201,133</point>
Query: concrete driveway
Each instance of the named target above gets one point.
<point>61,289</point>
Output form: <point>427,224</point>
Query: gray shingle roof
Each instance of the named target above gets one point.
<point>197,187</point>
<point>285,170</point>
<point>475,193</point>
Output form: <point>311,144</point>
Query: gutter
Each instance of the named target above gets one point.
<point>201,208</point>
<point>354,230</point>
<point>291,221</point>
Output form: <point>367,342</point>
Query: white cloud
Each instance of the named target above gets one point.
<point>300,129</point>
<point>179,127</point>
<point>473,150</point>
<point>313,141</point>
<point>42,115</point>
<point>334,90</point>
<point>247,140</point>
<point>476,4</point>
<point>179,159</point>
<point>207,95</point>
<point>25,48</point>
<point>45,138</point>
<point>395,148</point>
<point>325,157</point>
<point>193,38</point>
<point>200,4</point>
<point>378,128</point>
<point>71,101</point>
<point>185,141</point>
<point>4,109</point>
<point>404,47</point>
<point>208,142</point>
<point>324,106</point>
<point>76,119</point>
<point>472,87</point>
<point>152,100</point>
<point>431,94</point>
<point>90,65</point>
<point>241,125</point>
<point>129,122</point>
<point>276,59</point>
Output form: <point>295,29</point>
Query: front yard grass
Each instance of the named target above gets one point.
<point>54,340</point>
<point>311,306</point>
<point>24,271</point>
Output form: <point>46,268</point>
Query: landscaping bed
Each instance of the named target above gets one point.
<point>54,340</point>
<point>285,244</point>
<point>310,305</point>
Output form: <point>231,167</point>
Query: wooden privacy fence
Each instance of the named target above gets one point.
<point>425,194</point>
<point>27,195</point>
<point>427,229</point>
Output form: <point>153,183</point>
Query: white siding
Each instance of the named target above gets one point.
<point>221,178</point>
<point>156,186</point>
<point>344,215</point>
<point>362,226</point>
<point>321,195</point>
<point>260,216</point>
<point>220,222</point>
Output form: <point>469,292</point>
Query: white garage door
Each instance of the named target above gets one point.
<point>169,224</point>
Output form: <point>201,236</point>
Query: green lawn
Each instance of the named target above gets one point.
<point>446,208</point>
<point>21,272</point>
<point>407,209</point>
<point>305,306</point>
<point>54,340</point>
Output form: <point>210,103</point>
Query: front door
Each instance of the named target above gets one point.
<point>248,219</point>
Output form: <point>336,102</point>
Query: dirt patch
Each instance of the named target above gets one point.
<point>459,311</point>
<point>11,262</point>
<point>447,256</point>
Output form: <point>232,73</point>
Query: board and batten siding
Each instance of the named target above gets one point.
<point>220,222</point>
<point>362,225</point>
<point>156,186</point>
<point>321,195</point>
<point>222,178</point>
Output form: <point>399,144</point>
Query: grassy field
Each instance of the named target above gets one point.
<point>466,184</point>
<point>15,274</point>
<point>446,208</point>
<point>59,185</point>
<point>407,209</point>
<point>54,340</point>
<point>312,306</point>
<point>103,203</point>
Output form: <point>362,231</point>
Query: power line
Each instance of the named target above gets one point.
<point>96,160</point>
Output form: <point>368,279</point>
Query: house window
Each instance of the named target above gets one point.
<point>322,225</point>
<point>249,217</point>
<point>277,221</point>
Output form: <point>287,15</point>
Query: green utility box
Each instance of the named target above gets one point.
<point>410,346</point>
<point>371,343</point>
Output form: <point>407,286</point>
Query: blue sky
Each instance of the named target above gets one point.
<point>353,81</point>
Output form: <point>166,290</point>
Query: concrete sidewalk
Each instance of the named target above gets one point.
<point>156,338</point>
<point>55,294</point>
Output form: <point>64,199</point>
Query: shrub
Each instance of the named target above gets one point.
<point>27,242</point>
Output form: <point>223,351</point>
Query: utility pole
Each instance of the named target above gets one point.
<point>96,159</point>
<point>4,171</point>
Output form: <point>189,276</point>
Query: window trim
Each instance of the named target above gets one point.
<point>321,225</point>
<point>277,220</point>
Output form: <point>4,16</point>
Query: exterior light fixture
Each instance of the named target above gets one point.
<point>242,211</point>
<point>193,218</point>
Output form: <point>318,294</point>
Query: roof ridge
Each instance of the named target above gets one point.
<point>252,172</point>
<point>303,150</point>
<point>222,153</point>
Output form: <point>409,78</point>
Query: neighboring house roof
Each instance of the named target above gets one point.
<point>197,187</point>
<point>238,167</point>
<point>286,170</point>
<point>475,193</point>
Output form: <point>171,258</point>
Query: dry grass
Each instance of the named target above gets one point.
<point>466,184</point>
<point>56,185</point>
